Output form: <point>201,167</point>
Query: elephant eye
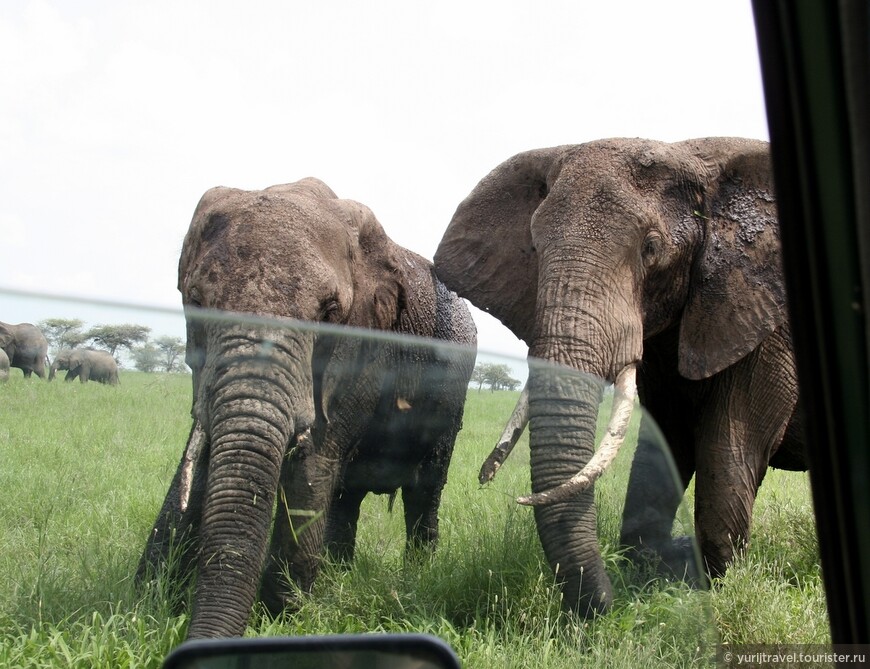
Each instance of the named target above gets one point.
<point>330,311</point>
<point>652,246</point>
<point>195,297</point>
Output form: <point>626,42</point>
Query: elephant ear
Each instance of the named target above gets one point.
<point>737,291</point>
<point>379,292</point>
<point>380,296</point>
<point>6,336</point>
<point>486,254</point>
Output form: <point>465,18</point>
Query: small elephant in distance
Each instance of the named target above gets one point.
<point>629,257</point>
<point>25,346</point>
<point>86,364</point>
<point>306,419</point>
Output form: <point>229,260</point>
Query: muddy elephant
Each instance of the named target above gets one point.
<point>629,256</point>
<point>25,346</point>
<point>86,364</point>
<point>315,418</point>
<point>4,366</point>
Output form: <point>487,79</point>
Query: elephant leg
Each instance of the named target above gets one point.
<point>742,425</point>
<point>421,498</point>
<point>656,486</point>
<point>172,544</point>
<point>305,492</point>
<point>342,523</point>
<point>725,492</point>
<point>661,472</point>
<point>792,451</point>
<point>420,504</point>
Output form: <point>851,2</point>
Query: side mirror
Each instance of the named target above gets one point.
<point>369,651</point>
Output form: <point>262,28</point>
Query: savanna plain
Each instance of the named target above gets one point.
<point>83,471</point>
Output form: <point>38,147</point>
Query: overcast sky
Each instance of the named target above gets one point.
<point>116,116</point>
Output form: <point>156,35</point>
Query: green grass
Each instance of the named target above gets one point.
<point>83,470</point>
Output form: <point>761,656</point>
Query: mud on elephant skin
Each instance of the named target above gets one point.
<point>630,254</point>
<point>25,346</point>
<point>86,364</point>
<point>314,419</point>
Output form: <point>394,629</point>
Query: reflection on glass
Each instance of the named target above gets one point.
<point>369,651</point>
<point>88,467</point>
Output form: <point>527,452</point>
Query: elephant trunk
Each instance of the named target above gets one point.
<point>625,392</point>
<point>563,410</point>
<point>593,333</point>
<point>253,406</point>
<point>52,370</point>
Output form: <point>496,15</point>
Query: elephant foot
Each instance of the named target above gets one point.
<point>340,553</point>
<point>417,554</point>
<point>674,559</point>
<point>278,595</point>
<point>680,559</point>
<point>278,600</point>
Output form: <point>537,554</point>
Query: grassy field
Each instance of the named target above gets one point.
<point>83,470</point>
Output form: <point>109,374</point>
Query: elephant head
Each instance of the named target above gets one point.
<point>25,346</point>
<point>7,339</point>
<point>585,251</point>
<point>61,361</point>
<point>262,386</point>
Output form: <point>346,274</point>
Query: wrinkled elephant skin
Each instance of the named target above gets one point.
<point>665,257</point>
<point>303,420</point>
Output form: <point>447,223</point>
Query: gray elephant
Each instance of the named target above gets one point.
<point>622,256</point>
<point>4,366</point>
<point>86,364</point>
<point>25,346</point>
<point>321,416</point>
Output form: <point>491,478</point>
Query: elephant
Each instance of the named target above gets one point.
<point>25,346</point>
<point>619,257</point>
<point>4,366</point>
<point>306,419</point>
<point>86,364</point>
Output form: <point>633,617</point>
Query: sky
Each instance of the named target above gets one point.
<point>115,117</point>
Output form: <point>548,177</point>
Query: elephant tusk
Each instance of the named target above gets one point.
<point>623,406</point>
<point>512,431</point>
<point>191,455</point>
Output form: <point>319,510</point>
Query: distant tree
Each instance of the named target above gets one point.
<point>478,377</point>
<point>172,348</point>
<point>146,358</point>
<point>496,376</point>
<point>511,383</point>
<point>113,337</point>
<point>62,333</point>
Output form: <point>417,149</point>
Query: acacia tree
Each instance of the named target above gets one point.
<point>161,354</point>
<point>478,377</point>
<point>146,358</point>
<point>113,337</point>
<point>172,349</point>
<point>62,333</point>
<point>496,376</point>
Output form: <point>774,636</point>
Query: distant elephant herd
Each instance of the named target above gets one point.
<point>24,346</point>
<point>652,266</point>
